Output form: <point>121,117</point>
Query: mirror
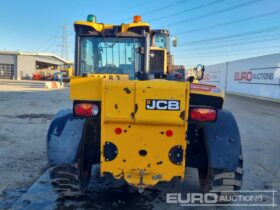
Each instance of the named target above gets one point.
<point>199,71</point>
<point>174,41</point>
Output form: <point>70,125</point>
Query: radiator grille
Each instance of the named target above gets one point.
<point>156,61</point>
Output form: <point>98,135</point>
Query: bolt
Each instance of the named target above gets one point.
<point>142,172</point>
<point>231,139</point>
<point>140,191</point>
<point>155,177</point>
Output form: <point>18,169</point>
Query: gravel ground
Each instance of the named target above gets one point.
<point>26,110</point>
<point>25,113</point>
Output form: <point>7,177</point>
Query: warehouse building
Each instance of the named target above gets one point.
<point>22,65</point>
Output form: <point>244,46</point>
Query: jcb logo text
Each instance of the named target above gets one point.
<point>154,104</point>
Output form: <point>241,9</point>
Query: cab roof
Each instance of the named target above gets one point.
<point>136,26</point>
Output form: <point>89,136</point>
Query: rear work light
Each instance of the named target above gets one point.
<point>86,109</point>
<point>203,114</point>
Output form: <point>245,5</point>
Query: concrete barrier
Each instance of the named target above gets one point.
<point>258,77</point>
<point>53,85</point>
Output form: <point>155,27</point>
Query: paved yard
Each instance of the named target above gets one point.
<point>25,113</point>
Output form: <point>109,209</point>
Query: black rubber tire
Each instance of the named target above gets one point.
<point>71,180</point>
<point>215,180</point>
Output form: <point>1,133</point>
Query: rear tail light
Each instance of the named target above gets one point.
<point>203,114</point>
<point>86,109</point>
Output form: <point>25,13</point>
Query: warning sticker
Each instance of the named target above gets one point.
<point>205,88</point>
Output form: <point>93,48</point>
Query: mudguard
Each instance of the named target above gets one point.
<point>222,142</point>
<point>64,137</point>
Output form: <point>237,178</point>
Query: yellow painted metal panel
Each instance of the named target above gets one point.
<point>148,134</point>
<point>143,171</point>
<point>118,101</point>
<point>100,26</point>
<point>124,106</point>
<point>91,87</point>
<point>126,27</point>
<point>96,26</point>
<point>86,88</point>
<point>161,91</point>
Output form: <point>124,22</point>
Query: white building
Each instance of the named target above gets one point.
<point>21,65</point>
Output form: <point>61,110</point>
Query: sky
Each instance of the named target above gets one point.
<point>208,31</point>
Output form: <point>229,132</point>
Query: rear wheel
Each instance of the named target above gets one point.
<point>72,180</point>
<point>215,180</point>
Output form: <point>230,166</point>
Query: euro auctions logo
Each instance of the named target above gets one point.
<point>243,76</point>
<point>192,198</point>
<point>250,76</point>
<point>258,76</point>
<point>247,198</point>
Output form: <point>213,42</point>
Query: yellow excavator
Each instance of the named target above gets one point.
<point>136,115</point>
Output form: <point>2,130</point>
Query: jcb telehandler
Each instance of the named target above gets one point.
<point>136,115</point>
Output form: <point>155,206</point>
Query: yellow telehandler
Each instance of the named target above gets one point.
<point>136,115</point>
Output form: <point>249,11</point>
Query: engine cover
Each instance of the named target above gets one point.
<point>143,126</point>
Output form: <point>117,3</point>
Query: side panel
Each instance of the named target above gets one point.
<point>64,136</point>
<point>222,142</point>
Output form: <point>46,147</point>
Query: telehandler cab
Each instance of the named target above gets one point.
<point>136,115</point>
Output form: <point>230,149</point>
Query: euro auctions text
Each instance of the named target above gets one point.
<point>224,198</point>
